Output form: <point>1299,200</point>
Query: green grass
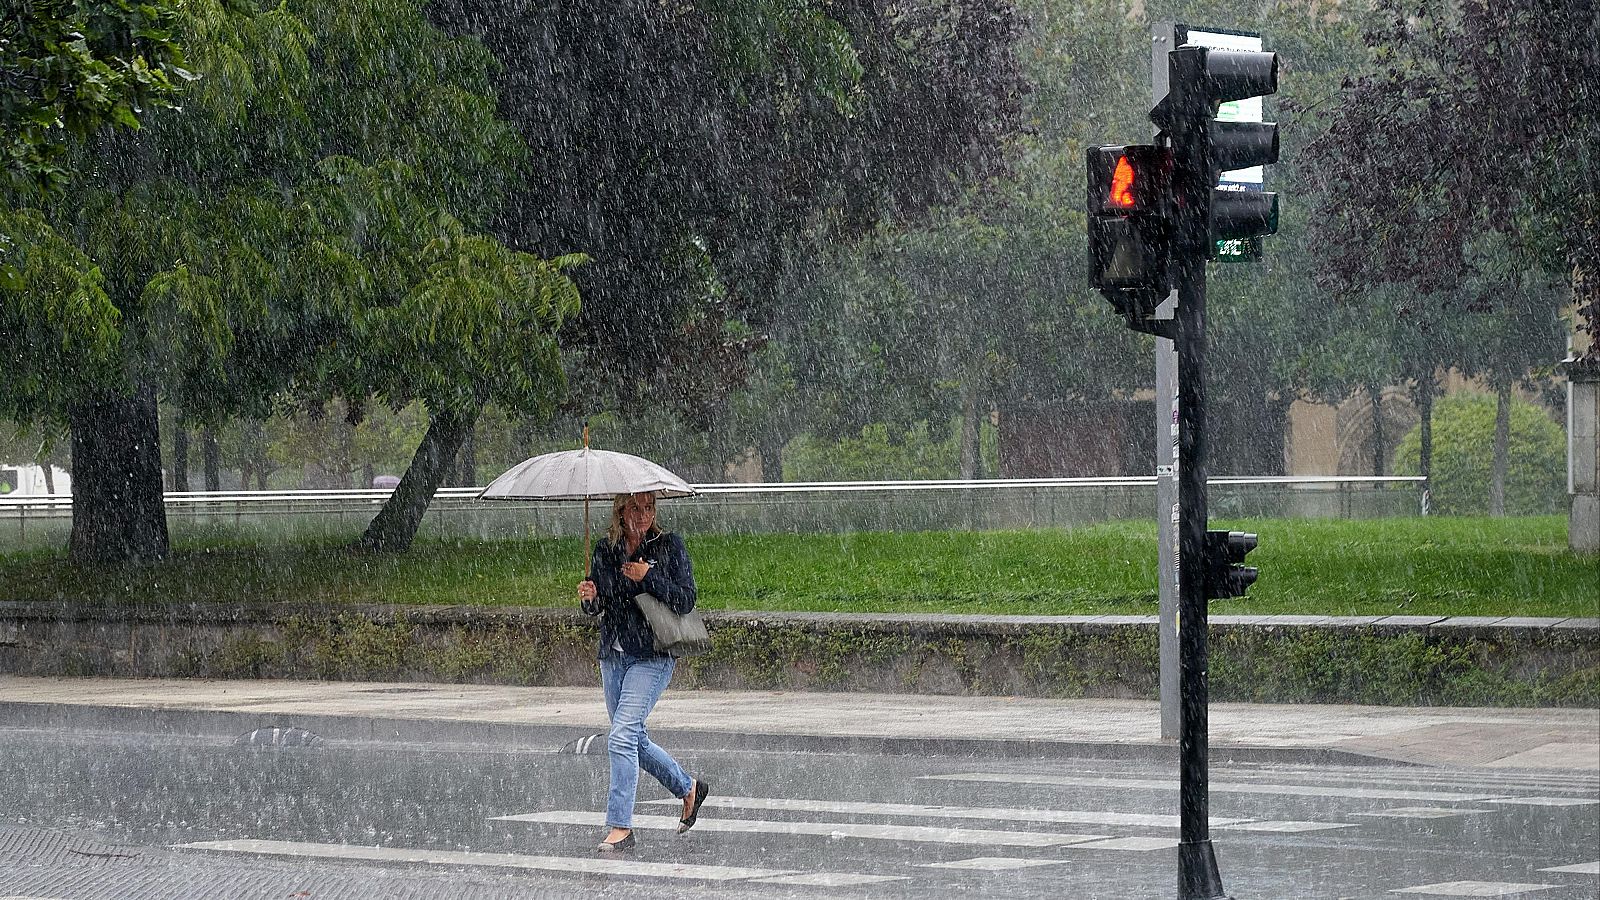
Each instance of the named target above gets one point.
<point>1435,566</point>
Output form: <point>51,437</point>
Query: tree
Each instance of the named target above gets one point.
<point>717,146</point>
<point>1496,108</point>
<point>1534,480</point>
<point>69,69</point>
<point>477,327</point>
<point>1514,333</point>
<point>947,313</point>
<point>214,264</point>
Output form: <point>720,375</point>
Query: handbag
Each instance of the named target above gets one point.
<point>675,635</point>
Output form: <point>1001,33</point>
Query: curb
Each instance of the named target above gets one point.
<point>450,734</point>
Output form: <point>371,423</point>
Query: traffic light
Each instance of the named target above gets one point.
<point>1201,80</point>
<point>1225,551</point>
<point>1128,205</point>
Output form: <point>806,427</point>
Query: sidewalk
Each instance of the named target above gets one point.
<point>548,718</point>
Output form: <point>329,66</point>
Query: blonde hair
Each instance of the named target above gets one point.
<point>616,530</point>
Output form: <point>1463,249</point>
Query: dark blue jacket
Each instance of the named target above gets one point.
<point>670,580</point>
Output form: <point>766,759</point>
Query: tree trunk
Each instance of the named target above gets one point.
<point>180,457</point>
<point>770,449</point>
<point>211,454</point>
<point>971,450</point>
<point>49,474</point>
<point>1425,389</point>
<point>117,510</point>
<point>1502,442</point>
<point>395,526</point>
<point>367,474</point>
<point>1273,458</point>
<point>343,470</point>
<point>1379,451</point>
<point>467,460</point>
<point>254,452</point>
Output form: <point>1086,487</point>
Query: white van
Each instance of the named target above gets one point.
<point>28,481</point>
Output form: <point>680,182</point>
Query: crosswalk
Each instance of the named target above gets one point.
<point>907,846</point>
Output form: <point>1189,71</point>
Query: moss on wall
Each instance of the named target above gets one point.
<point>1278,664</point>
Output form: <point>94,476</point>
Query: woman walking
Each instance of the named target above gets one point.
<point>636,557</point>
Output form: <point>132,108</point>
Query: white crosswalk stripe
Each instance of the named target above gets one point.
<point>494,860</point>
<point>831,879</point>
<point>1544,801</point>
<point>1293,790</point>
<point>918,833</point>
<point>1422,812</point>
<point>1588,868</point>
<point>1075,817</point>
<point>1283,827</point>
<point>1474,888</point>
<point>1411,778</point>
<point>993,863</point>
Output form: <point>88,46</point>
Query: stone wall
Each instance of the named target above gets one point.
<point>1398,660</point>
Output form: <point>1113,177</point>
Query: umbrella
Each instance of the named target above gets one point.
<point>585,474</point>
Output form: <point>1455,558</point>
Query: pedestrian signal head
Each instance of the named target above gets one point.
<point>1128,201</point>
<point>1122,184</point>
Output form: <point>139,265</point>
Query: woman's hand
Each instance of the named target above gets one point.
<point>635,571</point>
<point>586,591</point>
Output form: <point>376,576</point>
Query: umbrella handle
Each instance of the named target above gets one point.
<point>588,556</point>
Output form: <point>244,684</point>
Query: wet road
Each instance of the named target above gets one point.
<point>88,816</point>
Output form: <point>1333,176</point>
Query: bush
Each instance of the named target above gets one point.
<point>1463,457</point>
<point>884,453</point>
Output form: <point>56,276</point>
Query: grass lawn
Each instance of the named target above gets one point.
<point>1434,566</point>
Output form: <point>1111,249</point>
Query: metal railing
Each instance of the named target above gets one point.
<point>793,507</point>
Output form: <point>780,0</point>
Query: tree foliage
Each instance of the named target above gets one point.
<point>71,67</point>
<point>697,152</point>
<point>1463,437</point>
<point>310,218</point>
<point>1469,118</point>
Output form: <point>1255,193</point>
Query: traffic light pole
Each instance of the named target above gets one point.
<point>1155,217</point>
<point>1198,877</point>
<point>1163,38</point>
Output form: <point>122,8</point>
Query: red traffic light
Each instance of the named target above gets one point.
<point>1122,185</point>
<point>1128,180</point>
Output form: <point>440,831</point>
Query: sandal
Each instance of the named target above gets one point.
<point>622,845</point>
<point>701,791</point>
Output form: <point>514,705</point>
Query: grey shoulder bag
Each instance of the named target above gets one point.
<point>676,635</point>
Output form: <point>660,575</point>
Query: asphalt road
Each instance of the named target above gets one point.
<point>88,816</point>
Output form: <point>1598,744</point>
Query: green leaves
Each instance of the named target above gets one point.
<point>1463,442</point>
<point>67,70</point>
<point>57,318</point>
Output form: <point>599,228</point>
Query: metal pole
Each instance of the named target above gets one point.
<point>1198,877</point>
<point>1164,37</point>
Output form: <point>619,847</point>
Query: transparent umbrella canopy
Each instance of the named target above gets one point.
<point>585,474</point>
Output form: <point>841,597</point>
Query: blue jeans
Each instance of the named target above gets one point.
<point>633,685</point>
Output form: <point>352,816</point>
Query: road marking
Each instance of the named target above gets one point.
<point>1294,790</point>
<point>1544,801</point>
<point>1078,817</point>
<point>497,860</point>
<point>1129,843</point>
<point>919,833</point>
<point>1452,778</point>
<point>1421,812</point>
<point>1589,868</point>
<point>993,863</point>
<point>1285,827</point>
<point>829,879</point>
<point>1473,888</point>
